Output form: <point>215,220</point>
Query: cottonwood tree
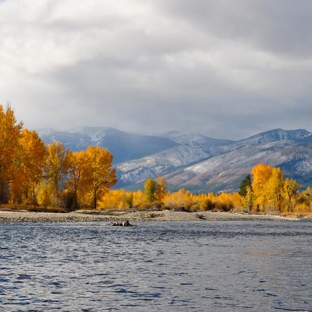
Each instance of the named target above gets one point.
<point>274,188</point>
<point>267,186</point>
<point>149,190</point>
<point>32,155</point>
<point>10,132</point>
<point>161,187</point>
<point>261,174</point>
<point>78,162</point>
<point>291,192</point>
<point>154,190</point>
<point>55,172</point>
<point>98,176</point>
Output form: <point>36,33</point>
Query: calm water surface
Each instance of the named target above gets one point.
<point>156,266</point>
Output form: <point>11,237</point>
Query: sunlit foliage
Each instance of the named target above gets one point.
<point>98,176</point>
<point>34,174</point>
<point>10,133</point>
<point>55,171</point>
<point>32,155</point>
<point>117,199</point>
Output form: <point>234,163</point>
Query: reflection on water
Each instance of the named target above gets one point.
<point>164,266</point>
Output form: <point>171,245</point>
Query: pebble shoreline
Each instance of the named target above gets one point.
<point>133,216</point>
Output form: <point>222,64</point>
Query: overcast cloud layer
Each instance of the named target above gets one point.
<point>223,68</point>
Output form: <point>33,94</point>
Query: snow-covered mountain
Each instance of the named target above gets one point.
<point>217,167</point>
<point>194,161</point>
<point>184,138</point>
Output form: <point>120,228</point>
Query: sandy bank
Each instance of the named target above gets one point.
<point>133,216</point>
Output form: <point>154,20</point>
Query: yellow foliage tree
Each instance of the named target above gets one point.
<point>160,189</point>
<point>29,170</point>
<point>150,190</point>
<point>268,187</point>
<point>138,198</point>
<point>98,176</point>
<point>55,172</point>
<point>261,174</point>
<point>304,201</point>
<point>116,199</point>
<point>274,189</point>
<point>180,199</point>
<point>247,200</point>
<point>77,166</point>
<point>291,192</point>
<point>9,150</point>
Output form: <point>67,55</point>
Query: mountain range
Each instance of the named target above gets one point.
<point>193,161</point>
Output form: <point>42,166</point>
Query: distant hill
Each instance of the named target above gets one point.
<point>124,146</point>
<point>194,161</point>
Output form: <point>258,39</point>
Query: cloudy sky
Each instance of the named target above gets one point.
<point>223,68</point>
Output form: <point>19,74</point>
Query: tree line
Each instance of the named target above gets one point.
<point>36,174</point>
<point>265,190</point>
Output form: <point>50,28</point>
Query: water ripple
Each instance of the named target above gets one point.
<point>194,266</point>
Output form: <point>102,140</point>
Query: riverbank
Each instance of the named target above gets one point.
<point>133,216</point>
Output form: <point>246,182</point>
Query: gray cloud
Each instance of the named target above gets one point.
<point>225,69</point>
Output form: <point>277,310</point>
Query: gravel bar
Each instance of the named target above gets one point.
<point>134,216</point>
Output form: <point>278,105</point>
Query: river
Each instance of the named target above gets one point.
<point>156,266</point>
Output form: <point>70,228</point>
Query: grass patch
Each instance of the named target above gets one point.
<point>16,207</point>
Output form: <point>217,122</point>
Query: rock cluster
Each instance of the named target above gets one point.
<point>125,223</point>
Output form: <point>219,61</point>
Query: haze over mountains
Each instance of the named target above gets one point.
<point>194,161</point>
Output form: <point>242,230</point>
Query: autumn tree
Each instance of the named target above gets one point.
<point>55,171</point>
<point>32,156</point>
<point>150,190</point>
<point>10,132</point>
<point>160,189</point>
<point>181,199</point>
<point>98,176</point>
<point>117,199</point>
<point>138,198</point>
<point>247,200</point>
<point>77,166</point>
<point>245,190</point>
<point>274,188</point>
<point>291,192</point>
<point>267,186</point>
<point>155,190</point>
<point>261,174</point>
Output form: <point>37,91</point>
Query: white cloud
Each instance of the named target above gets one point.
<point>208,66</point>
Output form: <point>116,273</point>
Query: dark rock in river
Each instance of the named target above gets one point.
<point>125,223</point>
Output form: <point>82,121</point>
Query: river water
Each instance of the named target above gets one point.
<point>156,266</point>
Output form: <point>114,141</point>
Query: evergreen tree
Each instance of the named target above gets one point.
<point>245,185</point>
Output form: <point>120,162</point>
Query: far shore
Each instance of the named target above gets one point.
<point>7,215</point>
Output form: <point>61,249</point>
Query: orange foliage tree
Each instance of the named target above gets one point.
<point>32,156</point>
<point>10,132</point>
<point>33,173</point>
